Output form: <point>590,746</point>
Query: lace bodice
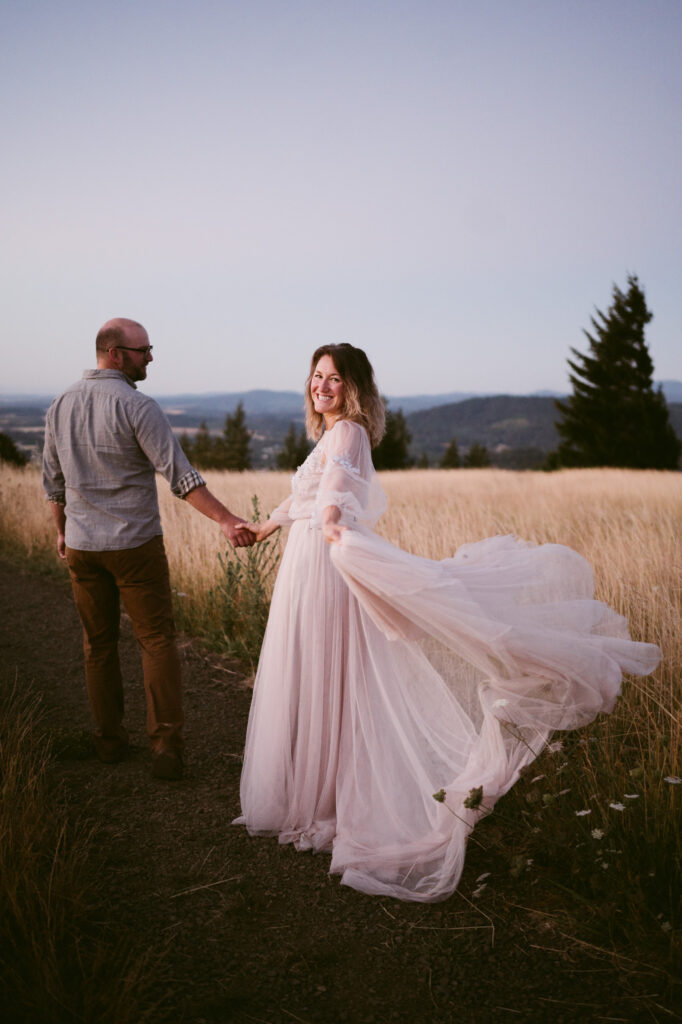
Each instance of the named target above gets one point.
<point>339,472</point>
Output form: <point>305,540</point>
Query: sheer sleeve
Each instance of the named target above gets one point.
<point>280,515</point>
<point>348,479</point>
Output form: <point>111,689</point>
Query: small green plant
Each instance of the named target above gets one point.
<point>241,600</point>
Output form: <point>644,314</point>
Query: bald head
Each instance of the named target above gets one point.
<point>118,331</point>
<point>123,344</point>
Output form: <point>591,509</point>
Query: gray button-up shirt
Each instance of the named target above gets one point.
<point>104,441</point>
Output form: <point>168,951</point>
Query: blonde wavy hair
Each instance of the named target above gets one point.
<point>362,402</point>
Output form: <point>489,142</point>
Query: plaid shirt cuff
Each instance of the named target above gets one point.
<point>57,497</point>
<point>189,482</point>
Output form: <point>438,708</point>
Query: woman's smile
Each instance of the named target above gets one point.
<point>327,390</point>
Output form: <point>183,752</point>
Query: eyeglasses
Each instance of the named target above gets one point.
<point>145,350</point>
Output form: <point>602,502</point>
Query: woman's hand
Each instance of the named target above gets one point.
<point>331,531</point>
<point>263,530</point>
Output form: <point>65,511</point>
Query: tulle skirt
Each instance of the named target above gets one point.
<point>385,677</point>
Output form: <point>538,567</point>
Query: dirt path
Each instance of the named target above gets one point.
<point>257,932</point>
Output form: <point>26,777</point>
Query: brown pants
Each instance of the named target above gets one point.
<point>139,577</point>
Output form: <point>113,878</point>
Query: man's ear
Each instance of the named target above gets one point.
<point>115,358</point>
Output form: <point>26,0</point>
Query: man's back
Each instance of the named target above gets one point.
<point>103,442</point>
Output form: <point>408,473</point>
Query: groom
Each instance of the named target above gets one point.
<point>104,443</point>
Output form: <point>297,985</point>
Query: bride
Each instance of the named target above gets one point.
<point>386,678</point>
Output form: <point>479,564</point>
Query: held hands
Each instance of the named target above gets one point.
<point>239,533</point>
<point>262,530</point>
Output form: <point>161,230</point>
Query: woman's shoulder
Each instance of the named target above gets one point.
<point>347,430</point>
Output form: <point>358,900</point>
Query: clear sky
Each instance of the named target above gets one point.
<point>451,185</point>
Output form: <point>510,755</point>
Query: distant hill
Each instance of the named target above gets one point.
<point>518,430</point>
<point>290,403</point>
<point>499,422</point>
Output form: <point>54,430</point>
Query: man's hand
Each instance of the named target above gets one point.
<point>59,516</point>
<point>239,533</point>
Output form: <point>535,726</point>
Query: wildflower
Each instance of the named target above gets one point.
<point>440,796</point>
<point>617,806</point>
<point>180,593</point>
<point>673,780</point>
<point>563,792</point>
<point>666,926</point>
<point>482,878</point>
<point>554,748</point>
<point>604,864</point>
<point>479,890</point>
<point>631,796</point>
<point>597,833</point>
<point>536,779</point>
<point>581,814</point>
<point>474,799</point>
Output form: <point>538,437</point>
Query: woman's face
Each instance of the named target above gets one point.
<point>327,390</point>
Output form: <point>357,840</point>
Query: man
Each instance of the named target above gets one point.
<point>104,442</point>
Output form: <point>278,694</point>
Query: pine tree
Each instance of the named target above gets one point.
<point>236,441</point>
<point>392,452</point>
<point>9,452</point>
<point>451,459</point>
<point>294,451</point>
<point>614,416</point>
<point>187,446</point>
<point>202,449</point>
<point>477,457</point>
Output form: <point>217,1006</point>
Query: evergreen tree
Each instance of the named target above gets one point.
<point>235,442</point>
<point>9,451</point>
<point>423,461</point>
<point>202,449</point>
<point>392,452</point>
<point>295,450</point>
<point>187,446</point>
<point>451,459</point>
<point>614,416</point>
<point>477,457</point>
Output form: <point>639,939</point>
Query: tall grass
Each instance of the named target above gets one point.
<point>56,964</point>
<point>628,525</point>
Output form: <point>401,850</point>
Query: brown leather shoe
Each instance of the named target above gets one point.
<point>167,765</point>
<point>114,756</point>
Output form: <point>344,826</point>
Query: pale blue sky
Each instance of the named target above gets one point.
<point>453,186</point>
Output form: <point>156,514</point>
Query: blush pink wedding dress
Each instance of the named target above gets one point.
<point>385,677</point>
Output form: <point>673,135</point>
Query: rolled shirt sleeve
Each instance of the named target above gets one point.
<point>158,442</point>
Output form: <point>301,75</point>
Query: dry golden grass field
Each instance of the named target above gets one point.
<point>628,524</point>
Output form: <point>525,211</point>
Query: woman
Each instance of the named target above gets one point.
<point>385,677</point>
